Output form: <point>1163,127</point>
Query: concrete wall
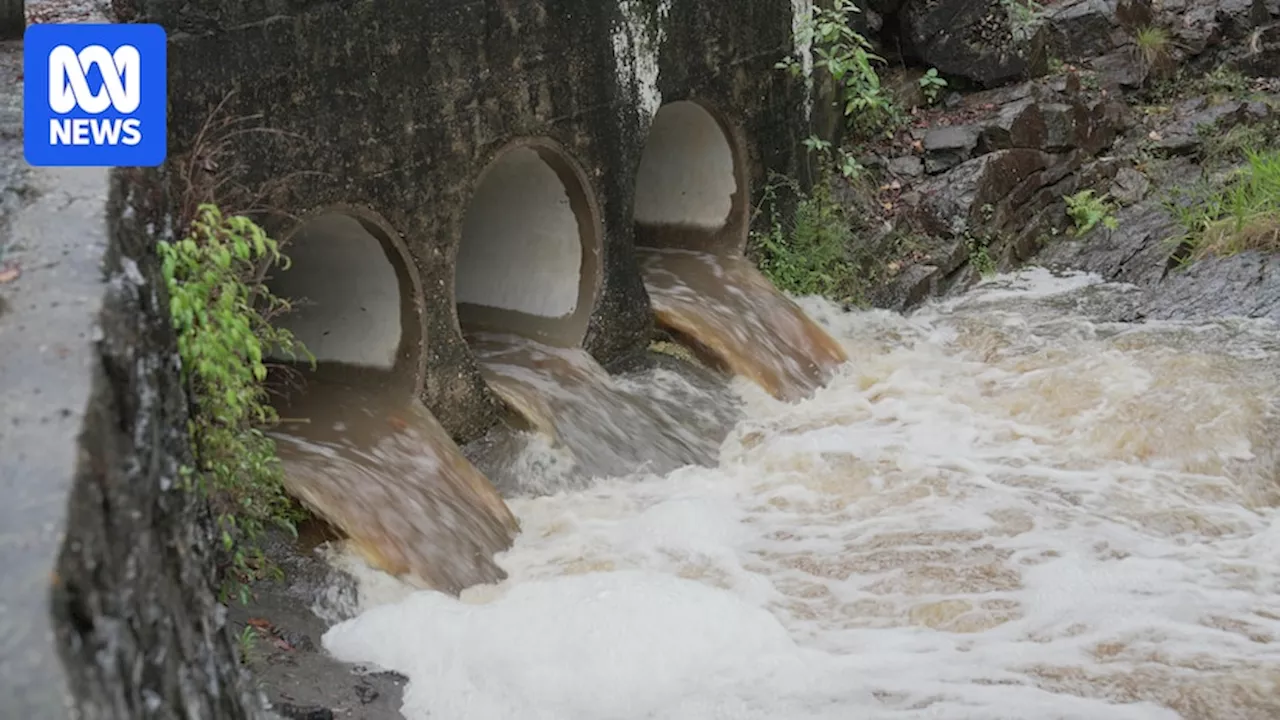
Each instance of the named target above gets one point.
<point>107,611</point>
<point>401,109</point>
<point>407,127</point>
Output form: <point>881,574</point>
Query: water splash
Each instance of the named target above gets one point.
<point>725,307</point>
<point>653,421</point>
<point>378,466</point>
<point>1002,507</point>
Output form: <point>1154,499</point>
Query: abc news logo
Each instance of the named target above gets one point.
<point>69,89</point>
<point>95,95</point>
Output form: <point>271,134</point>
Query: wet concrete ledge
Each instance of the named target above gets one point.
<point>107,609</point>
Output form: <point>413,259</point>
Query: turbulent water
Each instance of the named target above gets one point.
<point>726,308</point>
<point>656,421</point>
<point>382,469</point>
<point>1001,507</point>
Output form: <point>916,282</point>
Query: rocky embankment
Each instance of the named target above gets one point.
<point>1134,101</point>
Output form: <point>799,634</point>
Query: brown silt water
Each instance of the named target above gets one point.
<point>655,421</point>
<point>733,317</point>
<point>380,468</point>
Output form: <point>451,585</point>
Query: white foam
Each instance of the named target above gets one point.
<point>995,511</point>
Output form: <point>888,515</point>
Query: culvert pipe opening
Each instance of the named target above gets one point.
<point>528,260</point>
<point>691,220</point>
<point>690,190</point>
<point>358,446</point>
<point>527,275</point>
<point>352,295</point>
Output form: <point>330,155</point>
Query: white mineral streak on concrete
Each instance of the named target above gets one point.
<point>636,45</point>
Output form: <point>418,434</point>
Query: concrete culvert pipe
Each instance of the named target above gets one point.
<point>690,188</point>
<point>529,256</point>
<point>353,294</point>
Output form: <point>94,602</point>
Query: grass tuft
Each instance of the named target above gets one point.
<point>1243,214</point>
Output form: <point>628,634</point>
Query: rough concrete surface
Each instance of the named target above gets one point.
<point>107,609</point>
<point>47,332</point>
<point>400,119</point>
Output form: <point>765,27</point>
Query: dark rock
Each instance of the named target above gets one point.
<point>298,641</point>
<point>884,7</point>
<point>1192,118</point>
<point>1260,56</point>
<point>971,39</point>
<point>297,712</point>
<point>1129,186</point>
<point>1066,127</point>
<point>907,166</point>
<point>366,693</point>
<point>913,286</point>
<point>1243,285</point>
<point>1118,69</point>
<point>948,146</point>
<point>954,202</point>
<point>1081,29</point>
<point>1137,251</point>
<point>1045,115</point>
<point>866,23</point>
<point>302,674</point>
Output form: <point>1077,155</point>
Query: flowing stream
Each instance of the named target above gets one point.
<point>727,309</point>
<point>381,469</point>
<point>1000,507</point>
<point>655,421</point>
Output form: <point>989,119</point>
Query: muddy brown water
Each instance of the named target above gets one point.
<point>374,463</point>
<point>729,312</point>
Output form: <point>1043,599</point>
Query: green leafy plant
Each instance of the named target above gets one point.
<point>845,162</point>
<point>809,255</point>
<point>849,59</point>
<point>1242,214</point>
<point>1025,17</point>
<point>1087,210</point>
<point>247,643</point>
<point>222,314</point>
<point>980,255</point>
<point>932,84</point>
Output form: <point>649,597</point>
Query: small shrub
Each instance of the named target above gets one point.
<point>1154,47</point>
<point>1025,17</point>
<point>1087,210</point>
<point>931,84</point>
<point>221,312</point>
<point>1242,214</point>
<point>847,56</point>
<point>845,162</point>
<point>980,256</point>
<point>1221,84</point>
<point>810,255</point>
<point>1230,147</point>
<point>977,244</point>
<point>247,644</point>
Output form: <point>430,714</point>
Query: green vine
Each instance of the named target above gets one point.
<point>222,314</point>
<point>849,58</point>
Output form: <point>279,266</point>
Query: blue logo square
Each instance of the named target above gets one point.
<point>95,95</point>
